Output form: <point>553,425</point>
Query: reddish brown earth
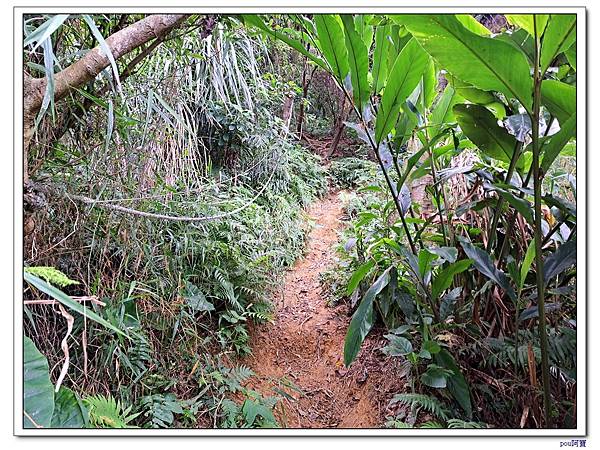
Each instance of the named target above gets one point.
<point>305,346</point>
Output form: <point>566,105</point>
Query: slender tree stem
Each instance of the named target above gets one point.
<point>526,182</point>
<point>436,187</point>
<point>375,149</point>
<point>388,180</point>
<point>509,174</point>
<point>394,195</point>
<point>410,210</point>
<point>398,189</point>
<point>517,301</point>
<point>539,262</point>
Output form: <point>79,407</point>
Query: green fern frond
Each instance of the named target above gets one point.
<point>431,404</point>
<point>431,424</point>
<point>458,423</point>
<point>51,274</point>
<point>226,288</point>
<point>106,412</point>
<point>235,376</point>
<point>230,411</point>
<point>395,423</point>
<point>161,409</point>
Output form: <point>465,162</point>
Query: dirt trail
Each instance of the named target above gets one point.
<point>305,345</point>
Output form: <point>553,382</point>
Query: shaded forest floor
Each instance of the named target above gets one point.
<point>305,345</point>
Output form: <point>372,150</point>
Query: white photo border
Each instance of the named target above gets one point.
<point>155,7</point>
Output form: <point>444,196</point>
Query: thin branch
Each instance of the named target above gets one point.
<point>64,345</point>
<point>136,212</point>
<point>92,299</point>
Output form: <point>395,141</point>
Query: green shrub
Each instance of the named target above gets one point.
<point>352,172</point>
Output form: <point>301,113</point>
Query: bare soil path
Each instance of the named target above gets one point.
<point>305,345</point>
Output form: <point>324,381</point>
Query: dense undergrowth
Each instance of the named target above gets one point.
<point>498,383</point>
<point>168,194</point>
<point>186,291</point>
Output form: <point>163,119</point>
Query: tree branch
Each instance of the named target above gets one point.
<point>88,67</point>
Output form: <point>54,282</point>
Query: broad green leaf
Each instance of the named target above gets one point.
<point>358,275</point>
<point>358,60</point>
<point>196,300</point>
<point>442,112</point>
<point>470,23</point>
<point>397,346</point>
<point>435,377</point>
<point>38,391</point>
<point>497,109</point>
<point>389,295</point>
<point>425,259</point>
<point>406,302</point>
<point>486,63</point>
<point>380,57</point>
<point>560,99</point>
<point>526,265</point>
<point>513,271</point>
<point>307,25</point>
<point>553,146</point>
<point>256,21</point>
<point>525,21</point>
<point>364,28</point>
<point>404,129</point>
<point>403,79</point>
<point>560,35</point>
<point>521,40</point>
<point>468,92</point>
<point>67,301</point>
<point>483,263</point>
<point>69,411</point>
<point>520,204</point>
<point>571,54</point>
<point>362,320</point>
<point>331,43</point>
<point>444,278</point>
<point>481,127</point>
<point>399,37</point>
<point>560,260</point>
<point>533,311</point>
<point>45,30</point>
<point>448,254</point>
<point>447,302</point>
<point>432,346</point>
<point>252,408</point>
<point>430,83</point>
<point>457,385</point>
<point>402,329</point>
